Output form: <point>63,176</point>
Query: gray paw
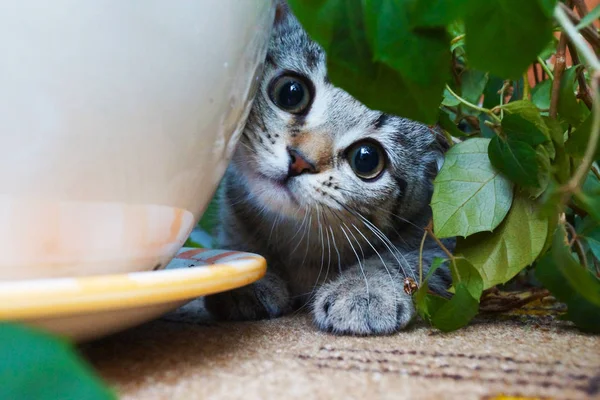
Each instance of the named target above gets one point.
<point>267,298</point>
<point>344,306</point>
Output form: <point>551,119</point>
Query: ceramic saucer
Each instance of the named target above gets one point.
<point>90,307</point>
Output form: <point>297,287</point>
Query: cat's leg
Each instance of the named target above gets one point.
<point>369,299</point>
<point>267,298</point>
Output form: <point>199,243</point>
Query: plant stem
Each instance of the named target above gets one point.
<point>545,68</point>
<point>505,84</point>
<point>589,32</point>
<point>581,7</point>
<point>584,90</point>
<point>457,39</point>
<point>595,172</point>
<point>526,87</point>
<point>473,106</point>
<point>586,53</point>
<point>559,67</point>
<point>421,258</point>
<point>588,158</point>
<point>578,178</point>
<point>439,243</point>
<point>577,245</point>
<point>429,230</point>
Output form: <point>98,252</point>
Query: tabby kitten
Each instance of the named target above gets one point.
<point>333,194</point>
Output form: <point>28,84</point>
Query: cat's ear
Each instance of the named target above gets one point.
<point>441,142</point>
<point>282,11</point>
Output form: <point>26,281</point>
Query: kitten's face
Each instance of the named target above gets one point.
<point>309,145</point>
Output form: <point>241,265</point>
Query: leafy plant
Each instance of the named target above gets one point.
<point>36,365</point>
<point>520,186</point>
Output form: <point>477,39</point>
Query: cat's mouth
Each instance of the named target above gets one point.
<point>274,194</point>
<point>279,185</point>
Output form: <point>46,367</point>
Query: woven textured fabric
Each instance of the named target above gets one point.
<point>527,353</point>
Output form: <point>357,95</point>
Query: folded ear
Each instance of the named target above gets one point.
<point>440,145</point>
<point>441,141</point>
<point>282,9</point>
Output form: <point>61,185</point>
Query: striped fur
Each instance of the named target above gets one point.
<point>335,244</point>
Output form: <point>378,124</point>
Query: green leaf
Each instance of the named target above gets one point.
<point>577,143</point>
<point>517,93</point>
<point>491,93</point>
<point>449,126</point>
<point>210,217</point>
<point>543,160</point>
<point>569,108</point>
<point>548,6</point>
<point>557,133</point>
<point>467,274</point>
<point>449,99</point>
<point>373,54</point>
<point>431,13</point>
<point>593,241</point>
<point>571,283</point>
<point>486,131</point>
<point>458,45</point>
<point>469,195</point>
<point>435,264</point>
<point>427,304</point>
<point>549,50</point>
<point>540,94</point>
<point>589,197</point>
<point>589,18</point>
<point>522,121</point>
<point>457,312</point>
<point>584,314</point>
<point>505,36</point>
<point>448,315</point>
<point>416,54</point>
<point>575,274</point>
<point>515,159</point>
<point>472,85</point>
<point>190,243</point>
<point>35,365</point>
<point>516,243</point>
<point>456,28</point>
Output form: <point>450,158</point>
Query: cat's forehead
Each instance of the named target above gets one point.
<point>333,111</point>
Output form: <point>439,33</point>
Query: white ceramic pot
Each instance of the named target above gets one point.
<point>118,119</point>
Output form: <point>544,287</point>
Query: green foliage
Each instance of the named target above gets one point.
<point>500,255</point>
<point>572,110</point>
<point>515,159</point>
<point>35,365</point>
<point>496,28</point>
<point>451,314</point>
<point>518,172</point>
<point>571,283</point>
<point>578,141</point>
<point>469,195</point>
<point>374,41</point>
<point>590,18</point>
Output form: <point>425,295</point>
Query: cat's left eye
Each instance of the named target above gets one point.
<point>291,93</point>
<point>367,159</point>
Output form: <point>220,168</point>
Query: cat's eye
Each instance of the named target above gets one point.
<point>366,159</point>
<point>291,93</point>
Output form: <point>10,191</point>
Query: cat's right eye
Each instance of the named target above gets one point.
<point>367,159</point>
<point>290,92</point>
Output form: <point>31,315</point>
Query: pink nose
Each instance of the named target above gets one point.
<point>299,164</point>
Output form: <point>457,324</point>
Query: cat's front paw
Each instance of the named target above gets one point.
<point>356,305</point>
<point>266,298</point>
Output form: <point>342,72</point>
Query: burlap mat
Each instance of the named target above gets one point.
<point>186,356</point>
